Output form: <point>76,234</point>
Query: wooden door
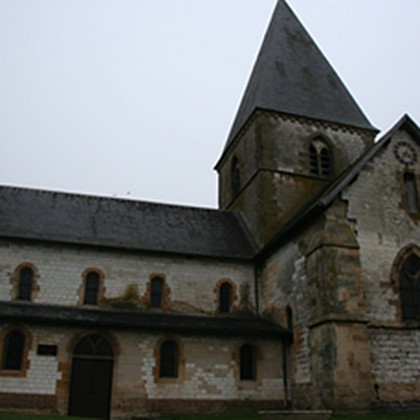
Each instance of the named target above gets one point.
<point>91,378</point>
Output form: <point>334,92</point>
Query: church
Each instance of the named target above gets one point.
<point>301,291</point>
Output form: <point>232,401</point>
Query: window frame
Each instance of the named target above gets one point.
<point>16,281</point>
<point>100,289</point>
<point>398,266</point>
<point>156,300</point>
<point>225,297</point>
<point>26,345</point>
<point>248,368</point>
<point>320,157</point>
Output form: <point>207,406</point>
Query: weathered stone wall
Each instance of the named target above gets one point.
<point>319,277</point>
<point>208,371</point>
<point>273,154</point>
<point>384,227</point>
<point>190,282</point>
<point>283,284</point>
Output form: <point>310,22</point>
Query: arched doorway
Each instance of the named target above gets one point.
<point>91,377</point>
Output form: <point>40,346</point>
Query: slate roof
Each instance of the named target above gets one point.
<point>140,321</point>
<point>334,189</point>
<point>127,224</point>
<point>292,76</point>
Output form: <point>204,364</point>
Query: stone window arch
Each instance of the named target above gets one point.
<point>226,296</point>
<point>14,347</point>
<point>169,359</point>
<point>406,278</point>
<point>320,158</point>
<point>156,291</point>
<point>25,282</point>
<point>92,286</point>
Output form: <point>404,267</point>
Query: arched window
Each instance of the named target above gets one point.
<point>248,362</point>
<point>169,359</point>
<point>92,283</point>
<point>411,196</point>
<point>13,347</point>
<point>225,297</point>
<point>156,292</point>
<point>320,161</point>
<point>25,285</point>
<point>235,176</point>
<point>410,288</point>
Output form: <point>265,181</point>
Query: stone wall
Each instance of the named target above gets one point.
<point>208,372</point>
<point>190,282</point>
<point>384,227</point>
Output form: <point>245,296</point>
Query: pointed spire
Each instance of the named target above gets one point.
<point>292,76</point>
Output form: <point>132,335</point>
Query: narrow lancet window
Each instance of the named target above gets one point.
<point>92,283</point>
<point>26,276</point>
<point>225,298</point>
<point>156,292</point>
<point>13,347</point>
<point>411,195</point>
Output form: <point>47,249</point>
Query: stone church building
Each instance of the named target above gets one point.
<point>301,291</point>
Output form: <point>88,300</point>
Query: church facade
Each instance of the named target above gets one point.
<point>301,291</point>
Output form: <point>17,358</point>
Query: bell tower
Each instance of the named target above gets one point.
<point>297,128</point>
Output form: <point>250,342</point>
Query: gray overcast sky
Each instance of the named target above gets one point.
<point>112,97</point>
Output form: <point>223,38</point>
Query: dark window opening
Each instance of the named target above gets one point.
<point>248,363</point>
<point>313,160</point>
<point>156,292</point>
<point>169,358</point>
<point>46,350</point>
<point>25,284</point>
<point>410,288</point>
<point>225,298</point>
<point>325,162</point>
<point>411,196</point>
<point>92,288</point>
<point>235,176</point>
<point>13,347</point>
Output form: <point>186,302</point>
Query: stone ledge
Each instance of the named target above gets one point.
<point>295,414</point>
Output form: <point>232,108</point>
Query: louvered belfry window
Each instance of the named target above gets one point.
<point>320,159</point>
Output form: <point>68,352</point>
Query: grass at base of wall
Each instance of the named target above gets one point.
<point>248,416</point>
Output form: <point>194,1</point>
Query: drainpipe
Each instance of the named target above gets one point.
<point>286,384</point>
